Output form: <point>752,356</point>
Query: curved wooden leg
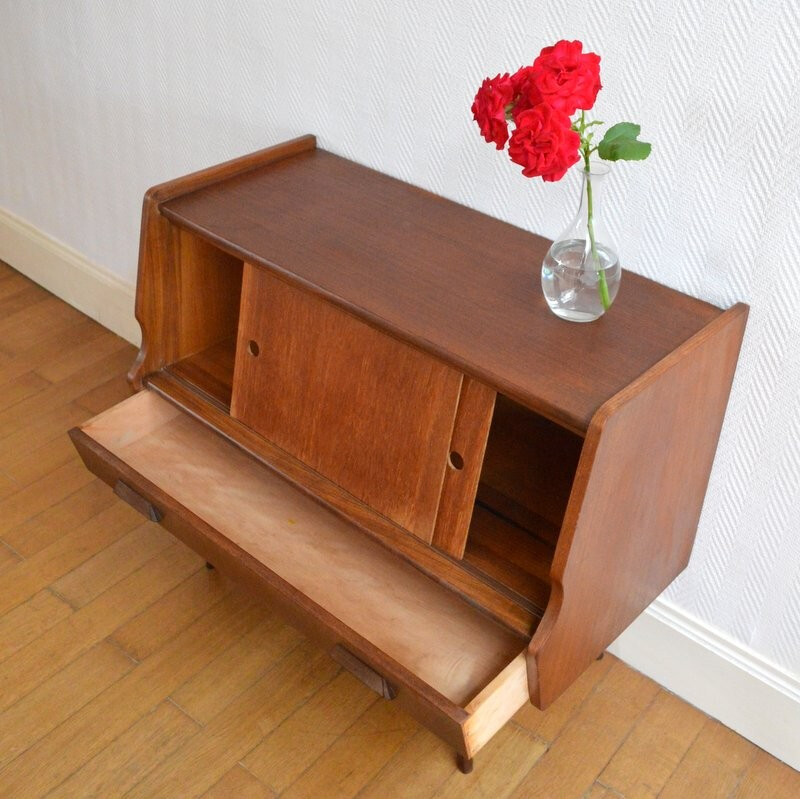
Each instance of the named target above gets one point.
<point>464,764</point>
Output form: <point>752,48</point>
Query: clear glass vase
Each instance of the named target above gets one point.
<point>581,272</point>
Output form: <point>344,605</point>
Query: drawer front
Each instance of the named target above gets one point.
<point>367,411</point>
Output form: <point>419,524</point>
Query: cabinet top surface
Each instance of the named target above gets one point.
<point>454,281</point>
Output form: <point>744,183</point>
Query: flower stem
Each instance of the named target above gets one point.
<point>602,286</point>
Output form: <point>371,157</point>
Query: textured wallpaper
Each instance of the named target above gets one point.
<point>100,100</point>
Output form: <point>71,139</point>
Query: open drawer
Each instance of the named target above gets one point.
<point>459,671</point>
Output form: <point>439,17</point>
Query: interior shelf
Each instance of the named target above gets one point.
<point>512,556</point>
<point>210,371</point>
<point>528,469</point>
<point>527,474</point>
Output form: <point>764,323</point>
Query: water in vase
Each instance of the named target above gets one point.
<point>571,279</point>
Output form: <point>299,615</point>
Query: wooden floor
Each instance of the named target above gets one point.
<point>127,669</point>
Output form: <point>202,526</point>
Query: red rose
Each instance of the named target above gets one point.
<point>567,78</point>
<point>489,109</point>
<point>544,143</point>
<point>526,92</point>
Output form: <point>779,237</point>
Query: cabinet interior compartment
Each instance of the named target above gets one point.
<point>206,316</point>
<point>525,482</point>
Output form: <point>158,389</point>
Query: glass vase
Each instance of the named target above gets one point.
<point>581,272</point>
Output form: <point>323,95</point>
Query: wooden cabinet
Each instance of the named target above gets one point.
<point>354,400</point>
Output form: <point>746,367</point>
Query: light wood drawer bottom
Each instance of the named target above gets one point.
<point>456,670</point>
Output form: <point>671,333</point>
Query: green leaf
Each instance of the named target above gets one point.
<point>625,130</point>
<point>621,143</point>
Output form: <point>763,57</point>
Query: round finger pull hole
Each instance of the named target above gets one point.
<point>456,460</point>
<point>252,347</point>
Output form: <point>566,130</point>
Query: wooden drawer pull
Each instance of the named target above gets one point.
<point>135,500</point>
<point>363,672</point>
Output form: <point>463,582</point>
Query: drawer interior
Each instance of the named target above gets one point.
<point>426,628</point>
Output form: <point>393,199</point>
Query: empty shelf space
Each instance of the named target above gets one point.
<point>511,555</point>
<point>528,469</point>
<point>210,371</point>
<point>428,629</point>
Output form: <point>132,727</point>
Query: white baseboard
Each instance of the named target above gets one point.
<point>730,682</point>
<point>68,274</point>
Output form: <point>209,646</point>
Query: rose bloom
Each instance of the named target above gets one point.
<point>489,109</point>
<point>544,144</point>
<point>526,92</point>
<point>566,78</point>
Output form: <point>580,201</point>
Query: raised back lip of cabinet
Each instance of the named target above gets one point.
<point>631,406</point>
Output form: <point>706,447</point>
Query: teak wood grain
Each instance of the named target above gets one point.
<point>237,670</point>
<point>464,464</point>
<point>529,468</point>
<point>378,363</point>
<point>158,300</point>
<point>487,594</point>
<point>453,281</point>
<point>367,411</point>
<point>511,555</point>
<point>634,508</point>
<point>209,371</point>
<point>440,651</point>
<point>209,290</point>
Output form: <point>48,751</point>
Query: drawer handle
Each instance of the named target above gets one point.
<point>365,673</point>
<point>135,500</point>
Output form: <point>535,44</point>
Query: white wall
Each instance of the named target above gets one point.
<point>100,100</point>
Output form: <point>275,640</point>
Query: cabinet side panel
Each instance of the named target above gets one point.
<point>156,294</point>
<point>188,298</point>
<point>368,412</point>
<point>633,513</point>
